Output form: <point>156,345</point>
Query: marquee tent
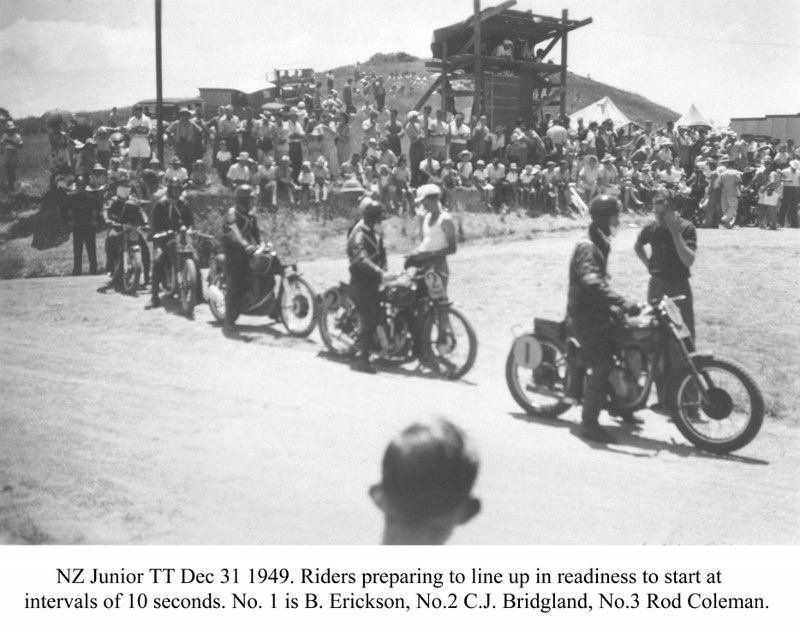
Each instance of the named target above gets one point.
<point>600,111</point>
<point>693,118</point>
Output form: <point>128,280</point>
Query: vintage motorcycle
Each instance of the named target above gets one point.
<point>713,401</point>
<point>128,265</point>
<point>417,321</point>
<point>181,271</point>
<point>275,290</point>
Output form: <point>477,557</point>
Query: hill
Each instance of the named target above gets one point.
<point>581,91</point>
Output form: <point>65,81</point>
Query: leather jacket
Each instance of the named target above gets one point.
<point>366,253</point>
<point>591,300</point>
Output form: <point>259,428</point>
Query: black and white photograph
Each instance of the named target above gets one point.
<point>370,272</point>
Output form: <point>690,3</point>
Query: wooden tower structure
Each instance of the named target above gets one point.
<point>505,88</point>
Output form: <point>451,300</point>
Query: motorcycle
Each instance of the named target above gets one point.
<point>274,289</point>
<point>713,401</point>
<point>128,266</point>
<point>416,321</point>
<point>181,269</point>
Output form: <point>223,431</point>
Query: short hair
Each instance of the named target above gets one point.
<point>428,470</point>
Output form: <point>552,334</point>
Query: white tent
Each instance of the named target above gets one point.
<point>693,118</point>
<point>599,111</point>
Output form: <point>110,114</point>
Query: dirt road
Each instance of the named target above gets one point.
<point>125,426</point>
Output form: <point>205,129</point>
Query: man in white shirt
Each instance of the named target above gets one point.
<point>429,169</point>
<point>239,172</point>
<point>459,134</point>
<point>139,126</point>
<point>437,132</point>
<point>496,175</point>
<point>791,195</point>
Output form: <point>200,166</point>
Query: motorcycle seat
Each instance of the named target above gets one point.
<point>555,330</point>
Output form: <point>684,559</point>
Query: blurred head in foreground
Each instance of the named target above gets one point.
<point>427,477</point>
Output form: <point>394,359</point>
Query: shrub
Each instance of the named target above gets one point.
<point>11,265</point>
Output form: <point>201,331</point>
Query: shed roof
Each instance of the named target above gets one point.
<point>502,21</point>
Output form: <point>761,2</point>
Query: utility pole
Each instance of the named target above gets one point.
<point>159,93</point>
<point>478,98</point>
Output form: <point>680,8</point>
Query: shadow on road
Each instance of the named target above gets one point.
<point>628,436</point>
<point>411,368</point>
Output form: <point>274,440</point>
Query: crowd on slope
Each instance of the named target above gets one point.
<point>300,153</point>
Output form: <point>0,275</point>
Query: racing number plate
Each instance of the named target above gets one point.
<point>435,284</point>
<point>674,313</point>
<point>527,351</point>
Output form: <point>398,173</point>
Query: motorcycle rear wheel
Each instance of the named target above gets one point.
<point>449,353</point>
<point>216,295</point>
<point>131,276</point>
<point>298,307</point>
<point>340,324</point>
<point>536,390</point>
<point>733,414</point>
<point>187,288</point>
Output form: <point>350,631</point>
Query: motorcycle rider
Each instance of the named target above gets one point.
<point>367,257</point>
<point>591,317</point>
<point>240,240</point>
<point>170,213</point>
<point>123,209</point>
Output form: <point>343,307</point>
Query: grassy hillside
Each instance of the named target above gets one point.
<point>581,92</point>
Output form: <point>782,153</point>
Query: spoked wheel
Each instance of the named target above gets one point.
<point>131,276</point>
<point>450,345</point>
<point>216,294</point>
<point>298,306</point>
<point>536,374</point>
<point>339,323</point>
<point>732,412</point>
<point>187,287</point>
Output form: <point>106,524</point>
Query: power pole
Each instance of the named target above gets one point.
<point>159,93</point>
<point>478,98</point>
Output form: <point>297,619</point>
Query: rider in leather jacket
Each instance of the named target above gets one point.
<point>591,310</point>
<point>367,257</point>
<point>122,209</point>
<point>240,239</point>
<point>169,214</point>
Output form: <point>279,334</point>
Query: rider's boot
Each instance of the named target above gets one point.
<point>364,364</point>
<point>590,427</point>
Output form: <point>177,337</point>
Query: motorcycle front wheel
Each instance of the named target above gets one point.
<point>339,323</point>
<point>131,276</point>
<point>216,295</point>
<point>298,306</point>
<point>449,343</point>
<point>539,391</point>
<point>187,288</point>
<point>733,410</point>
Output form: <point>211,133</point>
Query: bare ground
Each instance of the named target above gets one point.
<point>125,426</point>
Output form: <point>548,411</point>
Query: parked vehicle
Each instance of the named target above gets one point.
<point>417,322</point>
<point>713,401</point>
<point>275,290</point>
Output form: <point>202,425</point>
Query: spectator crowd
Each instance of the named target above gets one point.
<point>353,137</point>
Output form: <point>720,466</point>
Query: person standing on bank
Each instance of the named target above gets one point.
<point>673,245</point>
<point>81,214</point>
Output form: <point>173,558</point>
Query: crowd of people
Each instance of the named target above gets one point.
<point>300,154</point>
